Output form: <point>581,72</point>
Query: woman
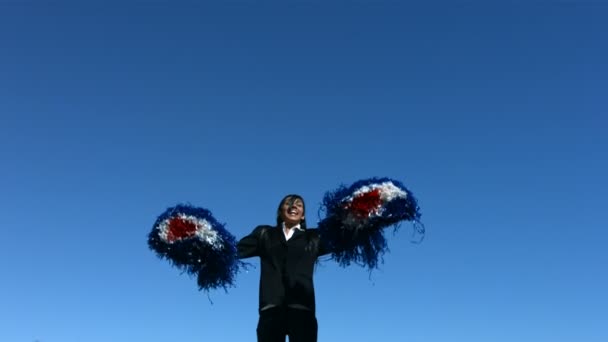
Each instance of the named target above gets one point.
<point>352,230</point>
<point>288,253</point>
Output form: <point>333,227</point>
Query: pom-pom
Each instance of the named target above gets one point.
<point>195,242</point>
<point>355,217</point>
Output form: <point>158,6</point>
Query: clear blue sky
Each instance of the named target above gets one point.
<point>492,114</point>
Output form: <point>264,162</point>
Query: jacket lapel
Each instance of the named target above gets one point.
<point>296,234</point>
<point>281,236</point>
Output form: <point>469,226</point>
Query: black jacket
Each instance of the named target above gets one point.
<point>286,277</point>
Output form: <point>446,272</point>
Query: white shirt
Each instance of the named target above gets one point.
<point>289,231</point>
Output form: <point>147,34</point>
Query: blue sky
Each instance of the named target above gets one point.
<point>491,113</point>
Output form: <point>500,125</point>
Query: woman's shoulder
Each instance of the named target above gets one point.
<point>262,229</point>
<point>314,232</point>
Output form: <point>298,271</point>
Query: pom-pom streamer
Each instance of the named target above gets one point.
<point>355,218</point>
<point>195,242</point>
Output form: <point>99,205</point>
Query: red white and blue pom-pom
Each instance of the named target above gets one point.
<point>355,218</point>
<point>195,242</point>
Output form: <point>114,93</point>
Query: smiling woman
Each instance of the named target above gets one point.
<point>288,253</point>
<point>352,231</point>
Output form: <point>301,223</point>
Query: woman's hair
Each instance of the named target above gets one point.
<point>291,198</point>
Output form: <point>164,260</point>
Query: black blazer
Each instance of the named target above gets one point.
<point>286,277</point>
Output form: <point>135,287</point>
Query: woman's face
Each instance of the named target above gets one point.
<point>292,211</point>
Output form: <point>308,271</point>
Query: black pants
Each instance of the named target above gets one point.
<point>277,323</point>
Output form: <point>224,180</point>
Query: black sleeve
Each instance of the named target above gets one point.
<point>321,246</point>
<point>249,246</point>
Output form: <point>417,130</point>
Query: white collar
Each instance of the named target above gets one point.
<point>297,226</point>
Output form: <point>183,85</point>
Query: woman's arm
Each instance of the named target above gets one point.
<point>249,246</point>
